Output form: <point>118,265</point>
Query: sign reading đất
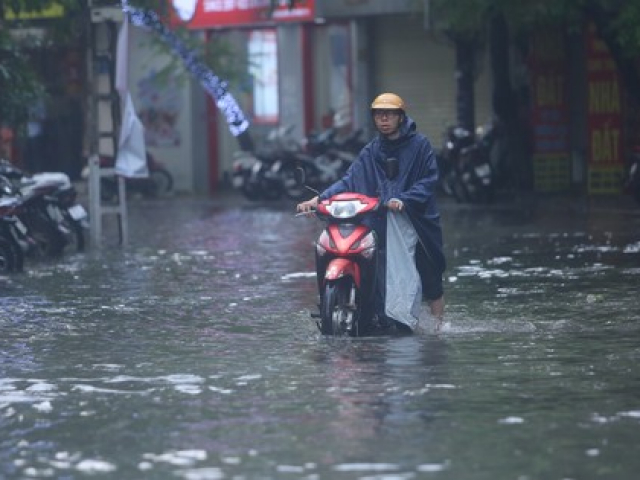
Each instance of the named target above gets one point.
<point>549,111</point>
<point>605,118</point>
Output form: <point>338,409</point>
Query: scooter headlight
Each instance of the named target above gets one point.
<point>345,209</point>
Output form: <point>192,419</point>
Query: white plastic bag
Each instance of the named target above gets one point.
<point>131,160</point>
<point>403,286</point>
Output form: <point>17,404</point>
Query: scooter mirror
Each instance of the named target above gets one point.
<point>300,176</point>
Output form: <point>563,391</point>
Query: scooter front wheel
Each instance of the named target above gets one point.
<point>339,310</point>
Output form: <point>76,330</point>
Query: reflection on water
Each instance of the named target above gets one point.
<point>192,355</point>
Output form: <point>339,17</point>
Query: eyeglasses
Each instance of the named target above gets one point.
<point>380,113</point>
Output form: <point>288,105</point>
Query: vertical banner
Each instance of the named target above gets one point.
<point>605,119</point>
<point>213,85</point>
<point>550,111</point>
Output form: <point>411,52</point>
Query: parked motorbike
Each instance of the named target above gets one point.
<point>158,183</point>
<point>48,208</point>
<point>477,174</point>
<point>242,173</point>
<point>449,162</point>
<point>286,166</point>
<point>324,161</point>
<point>346,263</point>
<point>14,240</point>
<point>632,178</point>
<point>472,165</point>
<point>256,174</point>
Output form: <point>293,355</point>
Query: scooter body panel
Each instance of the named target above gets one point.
<point>346,254</point>
<point>343,267</point>
<point>346,238</point>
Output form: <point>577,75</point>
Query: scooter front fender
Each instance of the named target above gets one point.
<point>343,267</point>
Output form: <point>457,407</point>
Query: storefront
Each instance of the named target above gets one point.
<point>276,86</point>
<point>318,63</point>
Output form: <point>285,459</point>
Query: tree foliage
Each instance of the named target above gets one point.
<point>19,84</point>
<point>617,22</point>
<point>469,17</point>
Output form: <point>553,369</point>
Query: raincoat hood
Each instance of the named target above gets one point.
<point>408,129</point>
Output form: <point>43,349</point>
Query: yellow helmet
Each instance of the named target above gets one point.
<point>388,101</point>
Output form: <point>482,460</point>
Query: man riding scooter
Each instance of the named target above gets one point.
<point>407,191</point>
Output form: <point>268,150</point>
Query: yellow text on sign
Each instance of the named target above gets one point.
<point>550,91</point>
<point>604,96</point>
<point>605,145</point>
<point>54,11</point>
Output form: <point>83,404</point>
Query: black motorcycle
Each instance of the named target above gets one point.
<point>472,166</point>
<point>15,243</point>
<point>289,167</point>
<point>257,174</point>
<point>49,209</point>
<point>632,178</point>
<point>450,165</point>
<point>324,160</point>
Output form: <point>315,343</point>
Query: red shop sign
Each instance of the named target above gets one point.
<point>202,14</point>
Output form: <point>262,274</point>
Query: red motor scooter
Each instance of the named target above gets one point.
<point>346,263</point>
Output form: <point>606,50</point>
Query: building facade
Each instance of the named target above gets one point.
<point>321,62</point>
<point>324,61</point>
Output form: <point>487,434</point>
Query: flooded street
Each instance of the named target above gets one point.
<point>191,354</point>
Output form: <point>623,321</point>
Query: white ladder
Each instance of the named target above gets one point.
<point>105,120</point>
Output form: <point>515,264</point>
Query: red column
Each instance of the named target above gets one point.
<point>307,77</point>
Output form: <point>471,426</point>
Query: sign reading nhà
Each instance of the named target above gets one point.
<point>605,117</point>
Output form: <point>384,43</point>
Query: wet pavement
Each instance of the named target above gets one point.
<point>191,353</point>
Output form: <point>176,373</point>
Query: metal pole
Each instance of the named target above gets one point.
<point>122,215</point>
<point>95,213</point>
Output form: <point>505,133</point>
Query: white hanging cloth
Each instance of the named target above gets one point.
<point>403,290</point>
<point>131,160</point>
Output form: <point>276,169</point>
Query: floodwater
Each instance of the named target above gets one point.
<point>191,354</point>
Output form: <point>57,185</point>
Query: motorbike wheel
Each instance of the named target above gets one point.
<point>162,182</point>
<point>8,260</point>
<point>18,255</point>
<point>50,241</point>
<point>76,236</point>
<point>339,312</point>
<point>250,191</point>
<point>271,189</point>
<point>460,192</point>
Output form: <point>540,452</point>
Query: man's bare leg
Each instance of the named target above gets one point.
<point>437,310</point>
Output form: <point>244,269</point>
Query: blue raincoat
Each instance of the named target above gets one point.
<point>414,185</point>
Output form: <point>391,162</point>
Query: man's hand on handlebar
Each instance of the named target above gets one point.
<point>308,207</point>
